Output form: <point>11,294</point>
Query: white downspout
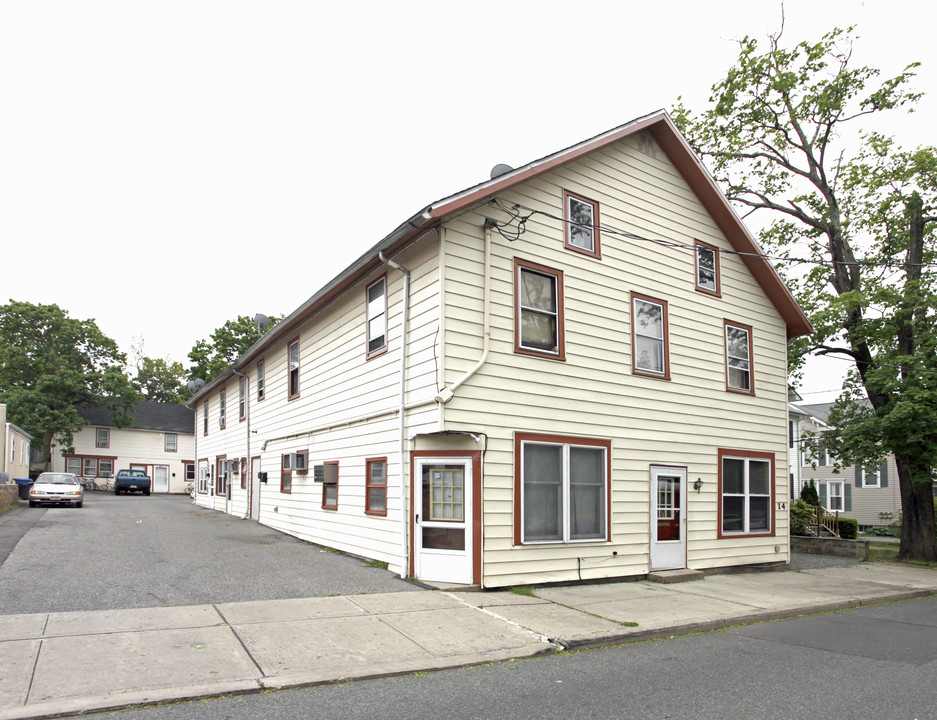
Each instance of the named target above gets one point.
<point>404,508</point>
<point>446,394</point>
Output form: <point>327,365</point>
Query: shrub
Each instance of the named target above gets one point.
<point>809,494</point>
<point>802,514</point>
<point>880,531</point>
<point>848,528</point>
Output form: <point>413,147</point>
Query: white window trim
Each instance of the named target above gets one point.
<point>866,474</point>
<point>841,495</point>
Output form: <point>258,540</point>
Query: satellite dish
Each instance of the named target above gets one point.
<point>261,321</point>
<point>195,385</point>
<point>500,169</point>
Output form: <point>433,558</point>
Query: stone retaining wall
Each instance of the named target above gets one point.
<point>830,546</point>
<point>9,496</point>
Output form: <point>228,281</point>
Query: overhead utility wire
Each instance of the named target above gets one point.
<point>514,234</point>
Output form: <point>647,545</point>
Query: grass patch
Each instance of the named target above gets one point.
<point>882,552</point>
<point>379,564</point>
<point>523,590</point>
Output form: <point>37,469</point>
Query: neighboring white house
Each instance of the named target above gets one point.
<point>870,495</point>
<point>160,441</point>
<point>14,449</point>
<point>574,370</point>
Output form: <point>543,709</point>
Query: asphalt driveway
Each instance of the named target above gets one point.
<point>137,551</point>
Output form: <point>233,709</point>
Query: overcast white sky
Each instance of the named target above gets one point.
<point>166,166</point>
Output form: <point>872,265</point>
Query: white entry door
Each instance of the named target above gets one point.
<point>161,478</point>
<point>442,520</point>
<point>668,518</point>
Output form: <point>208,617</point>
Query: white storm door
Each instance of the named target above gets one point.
<point>668,518</point>
<point>161,478</point>
<point>254,499</point>
<point>442,520</point>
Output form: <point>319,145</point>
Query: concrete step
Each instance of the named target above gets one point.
<point>675,576</point>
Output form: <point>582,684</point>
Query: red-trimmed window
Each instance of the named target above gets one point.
<point>538,310</point>
<point>221,475</point>
<point>582,224</point>
<point>204,476</point>
<point>102,437</point>
<point>243,473</point>
<point>90,465</point>
<point>561,489</point>
<point>375,491</point>
<point>190,472</point>
<point>740,376</point>
<point>707,268</point>
<point>292,379</point>
<point>746,493</point>
<point>649,337</point>
<point>377,317</point>
<point>330,486</point>
<point>261,378</point>
<point>221,409</point>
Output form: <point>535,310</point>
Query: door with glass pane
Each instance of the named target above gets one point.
<point>668,518</point>
<point>442,519</point>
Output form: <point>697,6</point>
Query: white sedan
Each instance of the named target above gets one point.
<point>58,488</point>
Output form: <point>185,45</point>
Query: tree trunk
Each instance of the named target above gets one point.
<point>918,537</point>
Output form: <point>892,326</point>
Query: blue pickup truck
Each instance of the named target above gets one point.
<point>131,481</point>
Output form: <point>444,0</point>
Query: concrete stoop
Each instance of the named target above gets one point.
<point>675,576</point>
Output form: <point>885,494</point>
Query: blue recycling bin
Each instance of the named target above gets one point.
<point>23,485</point>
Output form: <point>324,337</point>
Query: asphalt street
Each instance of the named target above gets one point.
<point>135,551</point>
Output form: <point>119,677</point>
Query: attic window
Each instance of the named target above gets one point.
<point>377,317</point>
<point>707,268</point>
<point>582,224</point>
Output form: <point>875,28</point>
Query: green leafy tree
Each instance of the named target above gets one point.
<point>775,138</point>
<point>51,365</point>
<point>212,357</point>
<point>160,380</point>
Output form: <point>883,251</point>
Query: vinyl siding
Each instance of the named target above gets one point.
<point>681,421</point>
<point>339,385</point>
<point>138,447</point>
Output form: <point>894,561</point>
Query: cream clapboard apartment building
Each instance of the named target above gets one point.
<point>565,372</point>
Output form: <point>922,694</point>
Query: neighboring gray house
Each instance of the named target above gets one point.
<point>870,495</point>
<point>160,441</point>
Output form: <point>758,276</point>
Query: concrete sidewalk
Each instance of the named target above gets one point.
<point>57,663</point>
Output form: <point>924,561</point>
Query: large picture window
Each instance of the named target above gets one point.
<point>746,486</point>
<point>561,489</point>
<point>650,354</point>
<point>739,375</point>
<point>538,310</point>
<point>582,224</point>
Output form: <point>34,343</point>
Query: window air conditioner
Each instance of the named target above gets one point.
<point>296,462</point>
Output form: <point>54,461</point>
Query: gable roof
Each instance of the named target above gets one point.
<point>167,417</point>
<point>667,136</point>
